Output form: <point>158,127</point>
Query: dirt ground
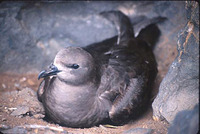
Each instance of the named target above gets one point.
<point>16,82</point>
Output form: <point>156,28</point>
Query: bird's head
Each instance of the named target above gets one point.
<point>72,65</point>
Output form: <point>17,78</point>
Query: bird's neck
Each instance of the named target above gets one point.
<point>73,93</point>
<point>80,93</point>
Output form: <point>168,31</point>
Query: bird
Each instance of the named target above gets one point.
<point>108,81</point>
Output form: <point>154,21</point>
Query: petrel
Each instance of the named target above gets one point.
<point>106,81</point>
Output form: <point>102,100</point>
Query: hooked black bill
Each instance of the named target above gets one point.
<point>46,73</point>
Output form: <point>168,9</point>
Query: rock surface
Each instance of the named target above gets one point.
<point>26,103</point>
<point>20,111</point>
<point>179,89</point>
<point>139,131</point>
<point>186,122</point>
<point>34,129</point>
<point>31,33</point>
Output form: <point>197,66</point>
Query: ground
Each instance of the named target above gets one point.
<point>16,82</point>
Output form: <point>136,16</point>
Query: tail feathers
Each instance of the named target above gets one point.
<point>147,29</point>
<point>150,34</point>
<point>122,23</point>
<point>141,22</point>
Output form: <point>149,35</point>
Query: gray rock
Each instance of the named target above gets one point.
<point>186,122</point>
<point>26,103</point>
<point>138,131</point>
<point>31,129</point>
<point>4,127</point>
<point>179,89</point>
<point>20,111</point>
<point>15,130</point>
<point>32,33</point>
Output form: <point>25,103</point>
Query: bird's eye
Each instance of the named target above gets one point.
<point>75,66</point>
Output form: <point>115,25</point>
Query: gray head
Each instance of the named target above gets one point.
<point>72,65</point>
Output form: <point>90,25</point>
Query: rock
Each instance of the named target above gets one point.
<point>32,129</point>
<point>179,89</point>
<point>6,110</point>
<point>3,127</point>
<point>15,130</point>
<point>3,119</point>
<point>32,34</point>
<point>20,111</point>
<point>138,131</point>
<point>30,82</point>
<point>39,116</point>
<point>27,26</point>
<point>17,85</point>
<point>49,132</point>
<point>4,86</point>
<point>26,103</point>
<point>23,79</point>
<point>186,122</point>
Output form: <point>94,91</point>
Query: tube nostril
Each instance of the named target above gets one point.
<point>41,74</point>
